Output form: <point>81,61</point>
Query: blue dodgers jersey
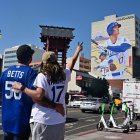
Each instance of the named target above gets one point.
<point>16,106</point>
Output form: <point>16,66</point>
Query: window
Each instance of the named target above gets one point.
<point>6,67</point>
<point>13,56</point>
<point>10,52</point>
<point>11,61</point>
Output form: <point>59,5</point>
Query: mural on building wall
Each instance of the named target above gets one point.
<point>111,53</point>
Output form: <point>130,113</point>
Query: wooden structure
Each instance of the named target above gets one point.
<point>57,39</point>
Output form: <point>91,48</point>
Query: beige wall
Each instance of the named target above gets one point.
<point>72,84</point>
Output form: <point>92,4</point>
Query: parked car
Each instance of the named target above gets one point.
<point>94,104</point>
<point>76,103</point>
<point>76,100</point>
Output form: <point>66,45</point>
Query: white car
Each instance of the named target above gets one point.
<point>76,103</point>
<point>94,104</point>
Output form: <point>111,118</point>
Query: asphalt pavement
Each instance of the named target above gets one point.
<point>107,135</point>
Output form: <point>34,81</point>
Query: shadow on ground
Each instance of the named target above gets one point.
<point>70,120</point>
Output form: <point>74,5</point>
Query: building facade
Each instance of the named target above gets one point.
<point>80,76</point>
<point>130,32</point>
<point>83,64</point>
<point>10,57</point>
<point>79,81</point>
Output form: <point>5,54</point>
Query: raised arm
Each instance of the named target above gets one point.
<point>75,56</point>
<point>119,48</point>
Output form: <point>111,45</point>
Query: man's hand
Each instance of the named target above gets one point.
<point>60,109</point>
<point>16,85</point>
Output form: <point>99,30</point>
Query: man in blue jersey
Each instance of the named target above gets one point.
<point>16,107</point>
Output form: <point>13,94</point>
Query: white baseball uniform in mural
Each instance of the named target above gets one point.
<point>104,68</point>
<point>118,56</point>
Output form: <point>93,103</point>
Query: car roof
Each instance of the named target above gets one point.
<point>92,98</point>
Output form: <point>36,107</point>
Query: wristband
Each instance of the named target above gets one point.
<point>22,88</point>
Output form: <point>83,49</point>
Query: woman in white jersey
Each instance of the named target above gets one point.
<point>51,82</point>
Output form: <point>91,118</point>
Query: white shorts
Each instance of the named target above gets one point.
<point>48,132</point>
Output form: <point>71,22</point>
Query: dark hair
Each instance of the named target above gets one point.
<point>53,71</point>
<point>24,54</point>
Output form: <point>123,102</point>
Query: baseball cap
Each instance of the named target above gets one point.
<point>110,61</point>
<point>102,53</point>
<point>111,26</point>
<point>49,56</point>
<point>24,52</point>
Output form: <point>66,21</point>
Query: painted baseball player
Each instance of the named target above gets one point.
<point>117,48</point>
<point>103,65</point>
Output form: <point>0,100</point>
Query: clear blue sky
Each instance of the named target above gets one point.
<point>20,19</point>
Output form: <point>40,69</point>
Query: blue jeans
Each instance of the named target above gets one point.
<point>22,136</point>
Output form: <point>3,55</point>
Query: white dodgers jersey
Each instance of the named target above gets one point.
<point>55,92</point>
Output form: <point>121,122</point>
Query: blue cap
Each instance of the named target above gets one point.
<point>102,53</point>
<point>110,61</point>
<point>111,26</point>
